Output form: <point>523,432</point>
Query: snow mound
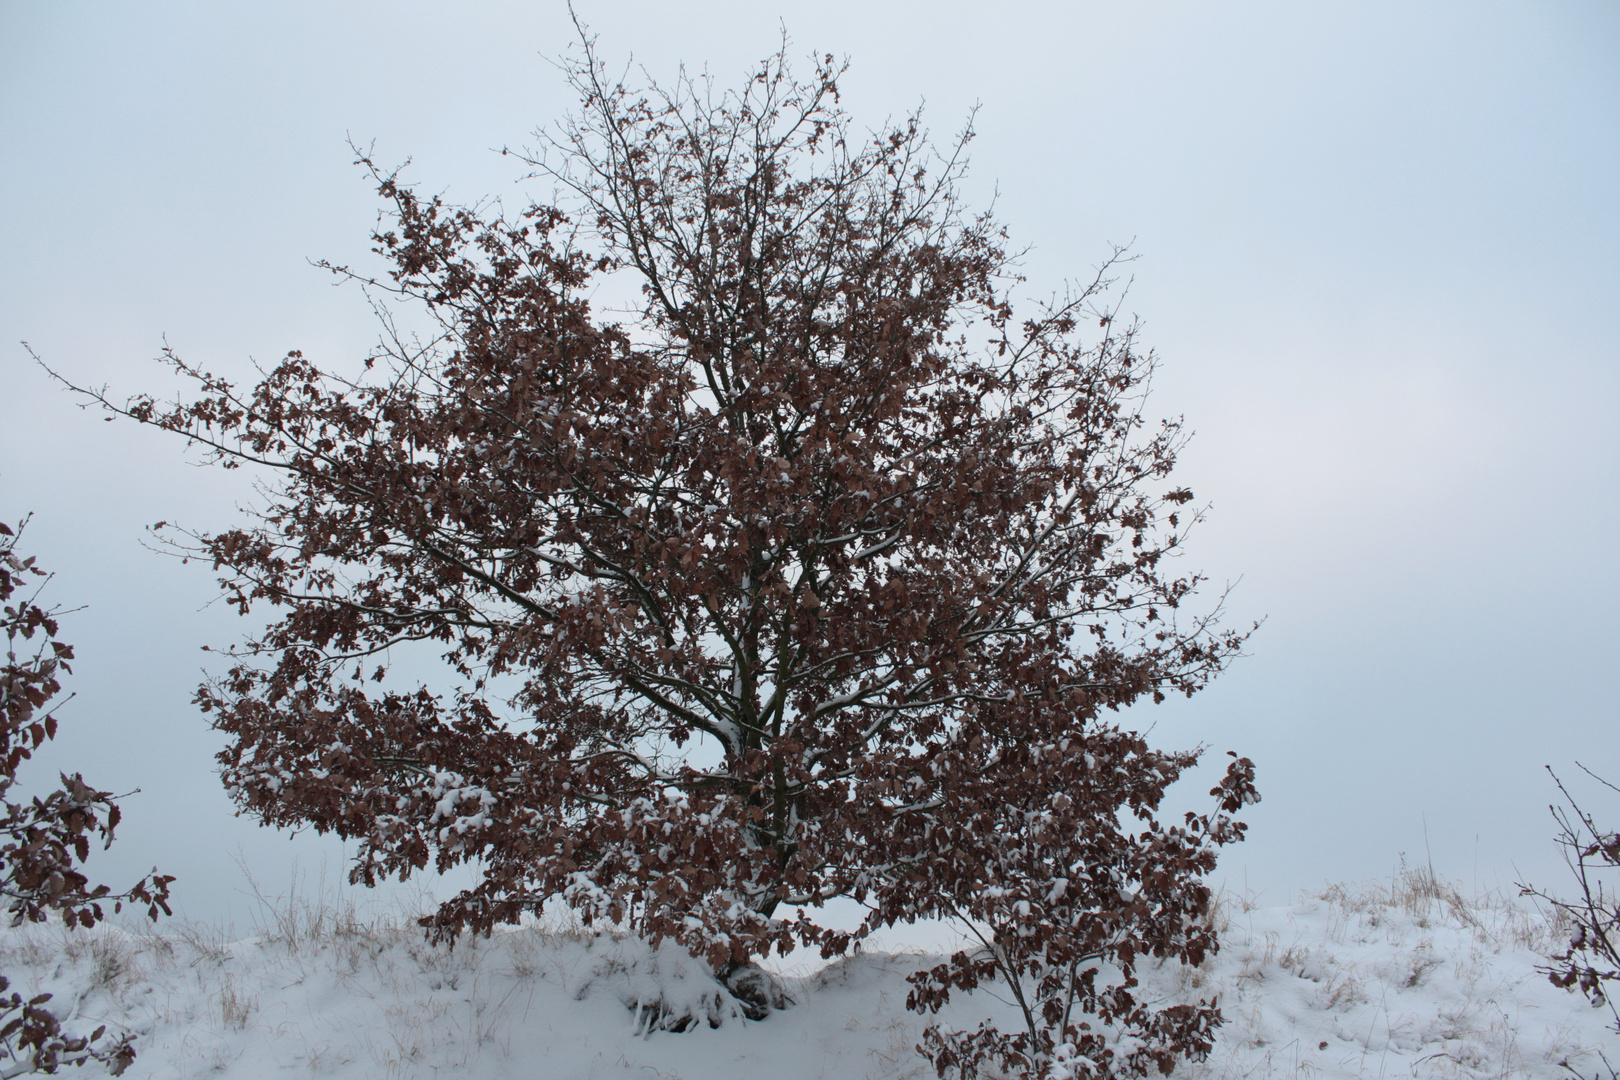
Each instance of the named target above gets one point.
<point>1404,979</point>
<point>1408,978</point>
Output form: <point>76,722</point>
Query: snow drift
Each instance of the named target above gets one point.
<point>1405,978</point>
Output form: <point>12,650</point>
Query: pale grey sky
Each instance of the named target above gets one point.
<point>1380,258</point>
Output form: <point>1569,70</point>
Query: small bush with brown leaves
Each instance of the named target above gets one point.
<point>1590,962</point>
<point>45,840</point>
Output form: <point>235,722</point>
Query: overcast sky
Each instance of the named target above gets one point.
<point>1379,256</point>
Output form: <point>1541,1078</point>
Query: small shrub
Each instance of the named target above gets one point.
<point>1590,962</point>
<point>43,842</point>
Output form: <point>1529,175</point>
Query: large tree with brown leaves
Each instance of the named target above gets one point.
<point>822,573</point>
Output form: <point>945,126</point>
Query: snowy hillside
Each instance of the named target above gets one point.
<point>1400,979</point>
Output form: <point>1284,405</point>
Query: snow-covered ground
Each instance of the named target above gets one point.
<point>1406,978</point>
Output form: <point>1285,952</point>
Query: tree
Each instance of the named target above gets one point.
<point>819,575</point>
<point>44,841</point>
